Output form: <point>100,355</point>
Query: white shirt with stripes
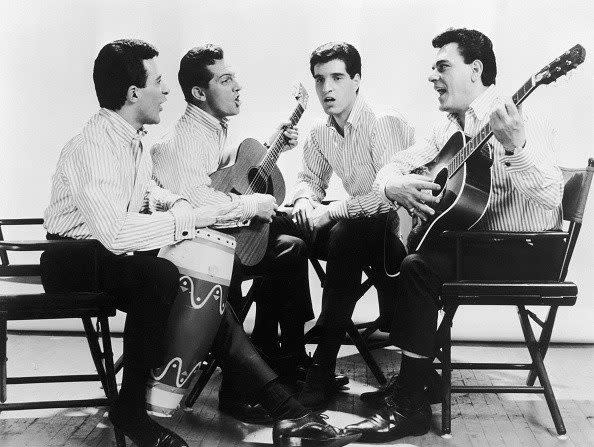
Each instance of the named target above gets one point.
<point>370,140</point>
<point>102,189</point>
<point>526,187</point>
<point>186,155</point>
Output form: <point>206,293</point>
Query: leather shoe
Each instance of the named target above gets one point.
<point>310,430</point>
<point>318,388</point>
<point>434,390</point>
<point>400,417</point>
<point>145,432</point>
<point>250,413</point>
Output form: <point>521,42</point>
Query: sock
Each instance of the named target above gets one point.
<point>279,403</point>
<point>414,373</point>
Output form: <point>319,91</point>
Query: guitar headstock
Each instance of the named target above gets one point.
<point>301,95</point>
<point>560,66</point>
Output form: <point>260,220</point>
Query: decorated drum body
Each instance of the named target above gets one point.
<point>205,264</point>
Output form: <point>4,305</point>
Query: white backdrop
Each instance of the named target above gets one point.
<point>48,48</point>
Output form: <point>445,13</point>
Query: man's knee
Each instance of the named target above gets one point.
<point>410,265</point>
<point>291,248</point>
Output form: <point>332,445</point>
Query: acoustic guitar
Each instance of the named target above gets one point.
<point>463,166</point>
<point>255,171</point>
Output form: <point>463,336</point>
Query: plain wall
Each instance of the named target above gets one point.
<point>48,48</point>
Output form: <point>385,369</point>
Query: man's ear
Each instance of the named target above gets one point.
<point>133,94</point>
<point>477,70</point>
<point>198,93</point>
<point>357,80</point>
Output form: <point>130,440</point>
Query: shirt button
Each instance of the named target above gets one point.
<point>507,163</point>
<point>184,233</point>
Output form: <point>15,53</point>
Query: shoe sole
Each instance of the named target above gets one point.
<point>391,436</point>
<point>308,442</point>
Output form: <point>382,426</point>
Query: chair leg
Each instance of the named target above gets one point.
<point>365,353</point>
<point>544,340</point>
<point>446,371</point>
<point>112,388</point>
<point>3,359</point>
<point>93,341</point>
<point>543,377</point>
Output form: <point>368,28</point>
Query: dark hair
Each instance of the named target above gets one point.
<point>119,65</point>
<point>193,69</point>
<point>473,45</point>
<point>337,50</point>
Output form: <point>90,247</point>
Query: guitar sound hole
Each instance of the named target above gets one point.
<point>258,182</point>
<point>441,179</point>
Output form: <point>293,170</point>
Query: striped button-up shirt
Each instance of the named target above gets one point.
<point>186,156</point>
<point>370,140</point>
<point>526,187</point>
<point>102,189</point>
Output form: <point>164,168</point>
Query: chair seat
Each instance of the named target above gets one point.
<point>509,293</point>
<point>49,306</point>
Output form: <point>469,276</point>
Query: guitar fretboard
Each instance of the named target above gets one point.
<point>485,133</point>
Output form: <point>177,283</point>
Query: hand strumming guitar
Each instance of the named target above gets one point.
<point>413,191</point>
<point>266,206</point>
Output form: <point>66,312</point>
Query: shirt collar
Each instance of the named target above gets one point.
<point>482,105</point>
<point>199,116</point>
<point>354,116</point>
<point>121,127</point>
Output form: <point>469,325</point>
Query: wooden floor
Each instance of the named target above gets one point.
<point>478,419</point>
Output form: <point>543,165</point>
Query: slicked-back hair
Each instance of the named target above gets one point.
<point>118,66</point>
<point>193,68</point>
<point>337,50</point>
<point>473,45</point>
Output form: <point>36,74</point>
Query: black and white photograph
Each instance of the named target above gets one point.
<point>296,223</point>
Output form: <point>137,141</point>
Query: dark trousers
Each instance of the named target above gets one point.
<point>348,246</point>
<point>145,286</point>
<point>283,298</point>
<point>422,274</point>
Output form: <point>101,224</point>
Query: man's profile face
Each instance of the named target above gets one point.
<point>451,78</point>
<point>222,95</point>
<point>152,95</point>
<point>336,90</point>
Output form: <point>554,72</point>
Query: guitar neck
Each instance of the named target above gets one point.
<point>485,133</point>
<point>275,149</point>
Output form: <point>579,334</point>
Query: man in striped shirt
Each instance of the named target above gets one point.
<point>354,142</point>
<point>183,161</point>
<point>102,189</point>
<point>527,188</point>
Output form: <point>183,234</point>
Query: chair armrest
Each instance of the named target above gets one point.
<point>42,245</point>
<point>27,221</point>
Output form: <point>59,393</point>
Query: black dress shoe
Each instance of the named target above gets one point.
<point>434,390</point>
<point>318,389</point>
<point>250,413</point>
<point>143,431</point>
<point>400,417</point>
<point>310,430</point>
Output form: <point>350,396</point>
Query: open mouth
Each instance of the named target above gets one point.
<point>237,101</point>
<point>329,100</point>
<point>440,91</point>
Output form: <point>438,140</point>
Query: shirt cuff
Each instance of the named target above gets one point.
<point>183,222</point>
<point>338,210</point>
<point>379,187</point>
<point>521,160</point>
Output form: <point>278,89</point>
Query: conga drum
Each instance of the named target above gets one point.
<point>205,265</point>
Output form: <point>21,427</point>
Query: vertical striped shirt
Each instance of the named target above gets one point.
<point>102,189</point>
<point>186,156</point>
<point>370,140</point>
<point>526,187</point>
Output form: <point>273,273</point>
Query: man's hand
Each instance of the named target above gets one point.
<point>413,192</point>
<point>291,134</point>
<point>266,206</point>
<point>302,210</point>
<point>508,126</point>
<point>210,214</point>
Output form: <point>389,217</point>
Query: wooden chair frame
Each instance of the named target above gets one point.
<point>519,294</point>
<point>83,305</point>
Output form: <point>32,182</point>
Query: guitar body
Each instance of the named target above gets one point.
<point>465,195</point>
<point>240,178</point>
